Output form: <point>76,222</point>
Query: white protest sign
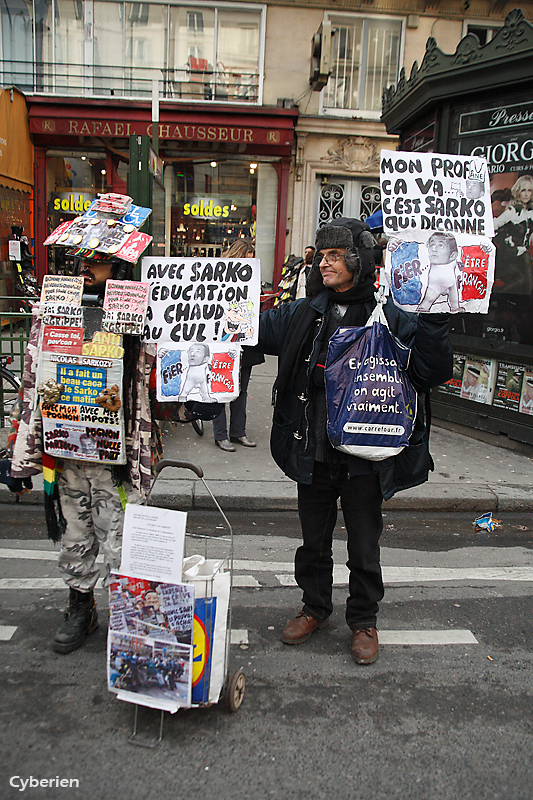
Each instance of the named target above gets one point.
<point>441,272</point>
<point>202,300</point>
<point>152,543</point>
<point>431,191</point>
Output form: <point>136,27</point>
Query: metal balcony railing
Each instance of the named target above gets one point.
<point>179,83</point>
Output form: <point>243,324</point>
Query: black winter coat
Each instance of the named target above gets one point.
<point>292,438</point>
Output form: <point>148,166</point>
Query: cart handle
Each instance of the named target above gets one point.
<point>170,462</point>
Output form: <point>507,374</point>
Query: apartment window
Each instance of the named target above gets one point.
<point>366,59</point>
<point>483,32</point>
<point>195,21</point>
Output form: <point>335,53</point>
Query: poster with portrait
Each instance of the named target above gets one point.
<point>453,386</point>
<point>438,216</point>
<point>198,371</point>
<point>202,300</point>
<point>526,397</point>
<point>478,379</point>
<point>440,272</point>
<point>508,386</point>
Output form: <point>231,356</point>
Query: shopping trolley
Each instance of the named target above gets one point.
<point>217,554</point>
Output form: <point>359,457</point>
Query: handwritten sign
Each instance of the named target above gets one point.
<point>59,315</point>
<point>202,300</point>
<point>125,305</point>
<point>429,191</point>
<point>65,289</point>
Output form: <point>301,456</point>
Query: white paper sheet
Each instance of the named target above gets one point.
<point>152,543</point>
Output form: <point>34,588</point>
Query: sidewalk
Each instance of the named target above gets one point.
<point>470,475</point>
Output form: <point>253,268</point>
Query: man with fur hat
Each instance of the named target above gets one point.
<point>341,292</point>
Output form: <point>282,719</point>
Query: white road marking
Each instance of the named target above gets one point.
<point>413,575</point>
<point>427,637</point>
<point>6,632</point>
<point>238,636</point>
<point>247,581</point>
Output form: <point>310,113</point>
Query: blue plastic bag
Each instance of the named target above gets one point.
<point>371,404</point>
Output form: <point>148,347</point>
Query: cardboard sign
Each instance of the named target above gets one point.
<point>64,289</point>
<point>434,192</point>
<point>125,305</point>
<point>208,373</point>
<point>202,300</point>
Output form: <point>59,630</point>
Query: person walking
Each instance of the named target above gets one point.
<point>341,292</point>
<point>240,249</point>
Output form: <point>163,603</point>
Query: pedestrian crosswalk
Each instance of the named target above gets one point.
<point>247,572</point>
<point>259,574</point>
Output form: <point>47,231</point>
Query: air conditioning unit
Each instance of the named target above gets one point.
<point>321,56</point>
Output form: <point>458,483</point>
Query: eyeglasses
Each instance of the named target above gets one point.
<point>331,258</point>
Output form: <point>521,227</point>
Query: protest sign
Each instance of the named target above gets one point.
<point>152,543</point>
<point>81,404</point>
<point>430,191</point>
<point>65,289</point>
<point>208,373</point>
<point>440,272</point>
<point>202,300</point>
<point>125,304</point>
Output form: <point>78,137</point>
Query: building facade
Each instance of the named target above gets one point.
<point>249,146</point>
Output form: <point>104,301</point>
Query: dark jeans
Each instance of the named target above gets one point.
<point>361,500</point>
<point>237,409</point>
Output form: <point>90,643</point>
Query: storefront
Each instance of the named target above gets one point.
<point>226,172</point>
<point>16,176</point>
<point>478,101</point>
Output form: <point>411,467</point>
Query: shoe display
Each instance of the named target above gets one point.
<point>365,646</point>
<point>80,620</point>
<point>244,440</point>
<point>299,629</point>
<point>225,444</point>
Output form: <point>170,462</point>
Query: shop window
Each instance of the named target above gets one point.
<point>366,58</point>
<point>217,202</point>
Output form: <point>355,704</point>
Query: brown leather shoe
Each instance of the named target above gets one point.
<point>365,647</point>
<point>299,629</point>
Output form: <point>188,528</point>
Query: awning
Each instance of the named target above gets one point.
<point>16,148</point>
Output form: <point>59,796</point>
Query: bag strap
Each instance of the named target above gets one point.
<point>378,314</point>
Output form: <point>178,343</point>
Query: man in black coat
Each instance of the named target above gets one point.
<point>341,292</point>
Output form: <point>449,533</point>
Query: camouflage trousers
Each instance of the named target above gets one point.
<point>92,507</point>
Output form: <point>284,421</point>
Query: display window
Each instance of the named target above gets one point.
<point>73,179</point>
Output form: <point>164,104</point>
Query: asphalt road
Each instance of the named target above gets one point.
<point>437,721</point>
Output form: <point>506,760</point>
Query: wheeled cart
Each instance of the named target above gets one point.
<point>208,565</point>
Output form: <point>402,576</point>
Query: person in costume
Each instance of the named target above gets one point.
<point>84,501</point>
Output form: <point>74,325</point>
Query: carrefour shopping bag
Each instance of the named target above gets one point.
<point>212,589</point>
<point>371,404</point>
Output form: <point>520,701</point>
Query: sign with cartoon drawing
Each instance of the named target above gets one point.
<point>437,213</point>
<point>440,271</point>
<point>202,300</point>
<point>198,371</point>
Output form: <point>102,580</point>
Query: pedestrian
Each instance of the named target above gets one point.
<point>341,292</point>
<point>87,508</point>
<point>241,248</point>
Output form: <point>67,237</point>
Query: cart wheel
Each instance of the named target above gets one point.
<point>235,690</point>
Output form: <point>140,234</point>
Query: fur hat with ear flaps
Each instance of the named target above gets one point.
<point>356,237</point>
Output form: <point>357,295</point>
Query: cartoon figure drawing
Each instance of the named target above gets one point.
<point>237,325</point>
<point>196,377</point>
<point>444,272</point>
